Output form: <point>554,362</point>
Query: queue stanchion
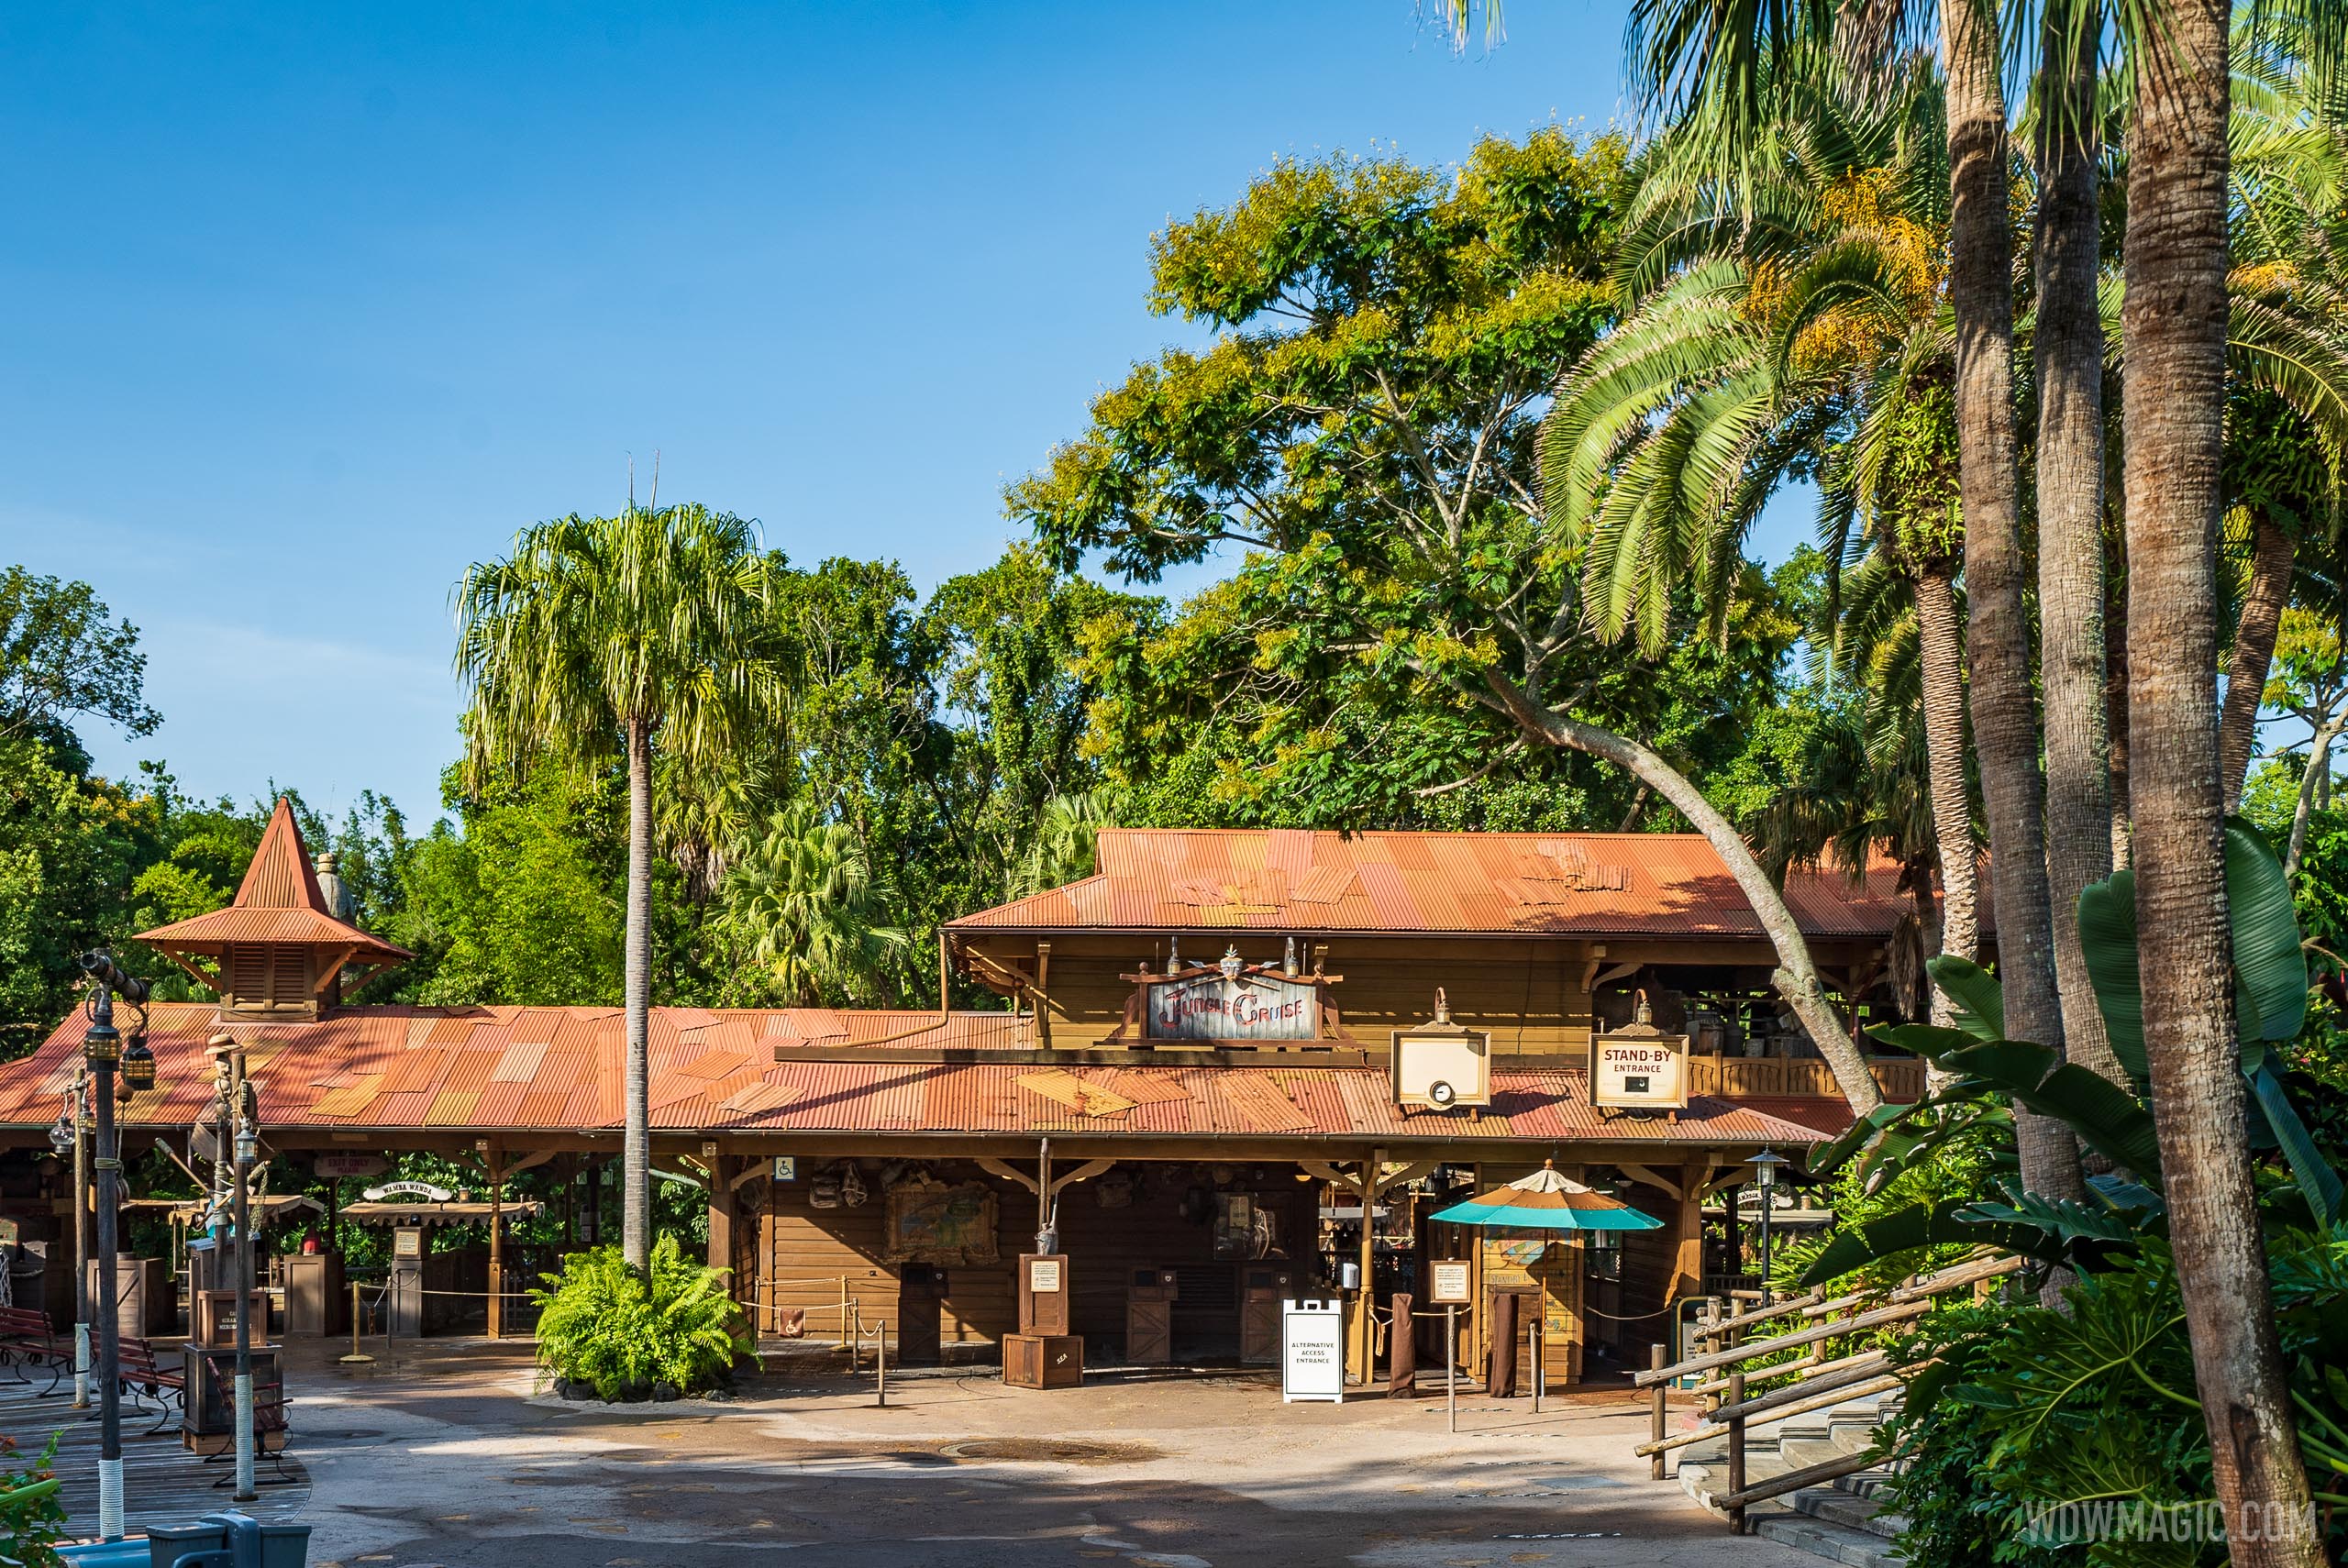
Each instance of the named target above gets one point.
<point>357,1356</point>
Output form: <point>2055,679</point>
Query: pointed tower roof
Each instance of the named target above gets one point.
<point>279,904</point>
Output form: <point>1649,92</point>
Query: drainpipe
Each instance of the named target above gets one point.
<point>942,1014</point>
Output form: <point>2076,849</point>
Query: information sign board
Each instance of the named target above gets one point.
<point>1312,1351</point>
<point>1448,1281</point>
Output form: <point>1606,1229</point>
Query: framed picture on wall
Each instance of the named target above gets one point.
<point>931,1223</point>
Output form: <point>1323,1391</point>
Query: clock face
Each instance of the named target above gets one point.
<point>1442,1071</point>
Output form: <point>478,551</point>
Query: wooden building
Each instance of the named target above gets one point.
<point>1190,1081</point>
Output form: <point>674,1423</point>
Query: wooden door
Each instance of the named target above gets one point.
<point>1150,1329</point>
<point>920,1289</point>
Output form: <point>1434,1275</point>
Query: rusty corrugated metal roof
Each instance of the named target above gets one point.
<point>375,1068</point>
<point>1486,883</point>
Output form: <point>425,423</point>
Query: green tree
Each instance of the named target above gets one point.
<point>61,659</point>
<point>805,911</point>
<point>524,904</point>
<point>637,635</point>
<point>1366,421</point>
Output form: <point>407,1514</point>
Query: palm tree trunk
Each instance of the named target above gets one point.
<point>2175,399</point>
<point>1796,978</point>
<point>2004,718</point>
<point>2311,778</point>
<point>1941,644</point>
<point>2068,346</point>
<point>2115,712</point>
<point>2273,553</point>
<point>636,1144</point>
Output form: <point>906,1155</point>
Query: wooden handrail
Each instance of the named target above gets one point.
<point>1855,1384</point>
<point>1742,1353</point>
<point>1794,1481</point>
<point>1784,1308</point>
<point>1815,1401</point>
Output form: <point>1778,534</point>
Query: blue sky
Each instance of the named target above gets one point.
<point>310,306</point>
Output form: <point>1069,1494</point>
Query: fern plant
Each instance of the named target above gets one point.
<point>621,1332</point>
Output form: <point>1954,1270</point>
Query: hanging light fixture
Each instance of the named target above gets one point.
<point>138,1067</point>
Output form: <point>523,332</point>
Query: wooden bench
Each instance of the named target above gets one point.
<point>27,1340</point>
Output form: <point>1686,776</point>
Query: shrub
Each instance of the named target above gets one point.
<point>32,1519</point>
<point>604,1325</point>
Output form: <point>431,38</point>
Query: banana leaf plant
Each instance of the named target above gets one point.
<point>1991,1071</point>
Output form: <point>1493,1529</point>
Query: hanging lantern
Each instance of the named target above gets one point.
<point>138,1065</point>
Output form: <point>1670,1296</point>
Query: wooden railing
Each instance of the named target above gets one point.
<point>1743,1077</point>
<point>1723,1352</point>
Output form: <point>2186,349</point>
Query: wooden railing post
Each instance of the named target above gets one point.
<point>1655,1416</point>
<point>1736,1451</point>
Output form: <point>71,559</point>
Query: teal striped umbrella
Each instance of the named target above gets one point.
<point>1548,1201</point>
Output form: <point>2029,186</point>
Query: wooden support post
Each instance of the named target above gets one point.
<point>496,1158</point>
<point>721,1213</point>
<point>1735,1451</point>
<point>1688,1235</point>
<point>1656,1414</point>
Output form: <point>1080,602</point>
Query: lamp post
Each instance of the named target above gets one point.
<point>239,1142</point>
<point>1764,1172</point>
<point>102,1051</point>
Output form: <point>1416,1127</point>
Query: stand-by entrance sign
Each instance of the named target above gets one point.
<point>1312,1356</point>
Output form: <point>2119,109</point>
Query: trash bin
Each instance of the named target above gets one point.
<point>281,1545</point>
<point>165,1543</point>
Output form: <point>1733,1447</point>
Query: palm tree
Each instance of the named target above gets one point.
<point>637,637</point>
<point>2067,358</point>
<point>2288,349</point>
<point>1798,312</point>
<point>2174,409</point>
<point>804,905</point>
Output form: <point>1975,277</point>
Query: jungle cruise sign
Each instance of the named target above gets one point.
<point>1250,1006</point>
<point>1231,1001</point>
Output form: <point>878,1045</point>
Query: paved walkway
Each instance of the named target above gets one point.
<point>441,1457</point>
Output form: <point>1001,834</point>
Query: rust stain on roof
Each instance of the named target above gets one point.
<point>1067,1089</point>
<point>1515,884</point>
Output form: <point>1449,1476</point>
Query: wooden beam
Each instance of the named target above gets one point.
<point>1084,1172</point>
<point>1168,1055</point>
<point>1654,1179</point>
<point>752,1170</point>
<point>1008,1172</point>
<point>1619,972</point>
<point>209,982</point>
<point>1043,999</point>
<point>329,972</point>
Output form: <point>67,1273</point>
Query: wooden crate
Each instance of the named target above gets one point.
<point>1043,1361</point>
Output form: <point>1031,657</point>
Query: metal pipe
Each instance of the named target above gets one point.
<point>78,1104</point>
<point>1450,1367</point>
<point>246,1140</point>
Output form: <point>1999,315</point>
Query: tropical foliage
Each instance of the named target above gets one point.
<point>665,1331</point>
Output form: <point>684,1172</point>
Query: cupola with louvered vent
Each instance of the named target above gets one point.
<point>281,949</point>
